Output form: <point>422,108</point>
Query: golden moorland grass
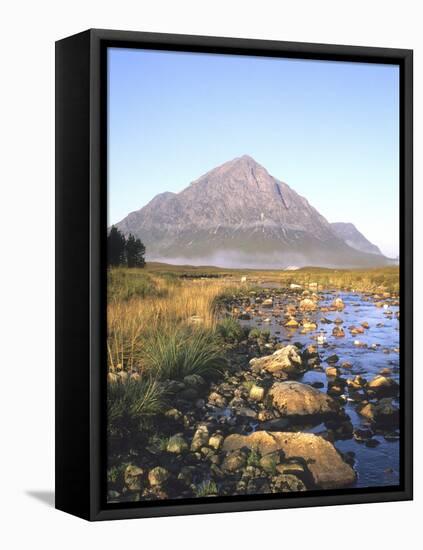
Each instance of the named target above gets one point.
<point>359,279</point>
<point>162,299</point>
<point>143,306</point>
<point>163,324</point>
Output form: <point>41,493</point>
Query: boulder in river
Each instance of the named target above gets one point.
<point>311,352</point>
<point>174,415</point>
<point>133,477</point>
<point>308,305</point>
<point>217,400</point>
<point>325,464</point>
<point>177,444</point>
<point>338,332</point>
<point>287,483</point>
<point>215,441</point>
<point>338,303</point>
<point>286,360</point>
<point>356,330</point>
<point>201,438</point>
<point>265,415</point>
<point>356,383</point>
<point>383,413</point>
<point>332,372</point>
<point>234,461</point>
<point>308,325</point>
<point>256,393</point>
<point>158,476</point>
<point>385,371</point>
<point>383,385</point>
<point>336,387</point>
<point>297,399</point>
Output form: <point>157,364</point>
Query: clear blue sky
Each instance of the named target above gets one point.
<point>329,130</point>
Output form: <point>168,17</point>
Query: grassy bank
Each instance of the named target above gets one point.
<point>146,308</point>
<point>160,327</point>
<point>383,279</point>
<point>152,309</point>
<point>163,325</point>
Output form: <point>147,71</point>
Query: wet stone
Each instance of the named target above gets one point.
<point>133,477</point>
<point>158,476</point>
<point>287,483</point>
<point>177,444</point>
<point>201,438</point>
<point>234,461</point>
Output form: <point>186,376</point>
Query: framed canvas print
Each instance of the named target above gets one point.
<point>234,248</point>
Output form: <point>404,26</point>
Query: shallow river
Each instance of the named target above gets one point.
<point>375,466</point>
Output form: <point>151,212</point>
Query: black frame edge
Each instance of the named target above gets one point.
<point>406,263</point>
<point>72,172</point>
<point>249,45</point>
<point>89,445</point>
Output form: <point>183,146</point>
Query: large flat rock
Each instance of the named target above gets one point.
<point>301,400</point>
<point>286,360</point>
<point>328,469</point>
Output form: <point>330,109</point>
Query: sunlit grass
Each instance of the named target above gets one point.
<point>182,351</point>
<point>206,489</point>
<point>384,279</point>
<point>361,279</point>
<point>165,325</point>
<point>146,303</point>
<point>156,308</point>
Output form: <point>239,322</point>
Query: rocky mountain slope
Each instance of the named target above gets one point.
<point>238,215</point>
<point>352,236</point>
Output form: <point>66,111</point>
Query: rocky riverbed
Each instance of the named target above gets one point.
<point>309,401</point>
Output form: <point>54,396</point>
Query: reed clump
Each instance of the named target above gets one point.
<point>159,328</point>
<point>132,404</point>
<point>152,309</point>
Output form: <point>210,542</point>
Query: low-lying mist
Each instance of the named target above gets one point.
<point>234,259</point>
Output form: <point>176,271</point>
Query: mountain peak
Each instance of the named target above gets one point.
<point>239,215</point>
<point>237,162</point>
<point>242,169</point>
<point>245,160</point>
<point>248,159</point>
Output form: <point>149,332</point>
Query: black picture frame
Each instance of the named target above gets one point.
<point>81,200</point>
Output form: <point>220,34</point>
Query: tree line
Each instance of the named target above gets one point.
<point>124,251</point>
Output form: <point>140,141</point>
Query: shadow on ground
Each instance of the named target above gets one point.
<point>46,497</point>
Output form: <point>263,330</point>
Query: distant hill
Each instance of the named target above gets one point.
<point>238,215</point>
<point>352,236</point>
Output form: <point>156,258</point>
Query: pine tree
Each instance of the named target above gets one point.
<point>135,251</point>
<point>115,247</point>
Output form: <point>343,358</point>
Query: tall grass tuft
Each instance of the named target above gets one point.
<point>230,329</point>
<point>132,404</point>
<point>142,309</point>
<point>206,488</point>
<point>178,352</point>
